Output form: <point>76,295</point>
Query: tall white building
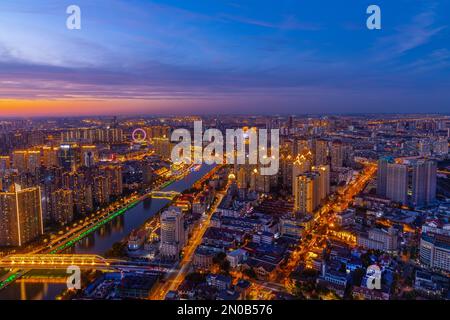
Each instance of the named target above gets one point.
<point>173,234</point>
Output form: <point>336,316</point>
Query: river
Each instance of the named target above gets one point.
<point>100,241</point>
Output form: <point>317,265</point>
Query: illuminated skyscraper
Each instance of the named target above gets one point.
<point>306,192</point>
<point>114,135</point>
<point>337,155</point>
<point>62,206</point>
<point>382,175</point>
<point>163,147</point>
<point>286,162</point>
<point>89,156</point>
<point>69,156</point>
<point>324,181</point>
<point>173,236</point>
<point>424,182</point>
<point>26,161</point>
<point>49,156</point>
<point>302,146</point>
<point>19,160</point>
<point>114,176</point>
<point>301,164</point>
<point>397,182</point>
<point>20,216</point>
<point>101,190</point>
<point>320,152</point>
<point>82,196</point>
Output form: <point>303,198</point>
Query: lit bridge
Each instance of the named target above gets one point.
<point>53,261</point>
<point>83,261</point>
<point>170,195</point>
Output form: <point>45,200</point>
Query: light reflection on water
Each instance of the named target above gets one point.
<point>100,241</point>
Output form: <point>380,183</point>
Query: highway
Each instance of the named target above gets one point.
<point>176,276</point>
<point>324,217</point>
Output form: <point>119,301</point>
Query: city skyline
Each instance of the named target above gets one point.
<point>173,57</point>
<point>208,152</point>
<point>348,196</point>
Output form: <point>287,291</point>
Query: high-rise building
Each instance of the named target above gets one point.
<point>302,146</point>
<point>337,155</point>
<point>62,206</point>
<point>397,182</point>
<point>320,152</point>
<point>286,161</point>
<point>163,147</point>
<point>49,156</point>
<point>115,180</point>
<point>20,216</point>
<point>19,160</point>
<point>89,156</point>
<point>324,181</point>
<point>114,135</point>
<point>26,161</point>
<point>69,156</point>
<point>306,192</point>
<point>382,175</point>
<point>424,182</point>
<point>301,164</point>
<point>157,132</point>
<point>82,196</point>
<point>173,235</point>
<point>101,190</point>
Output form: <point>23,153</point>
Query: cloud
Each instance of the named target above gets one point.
<point>289,22</point>
<point>407,37</point>
<point>437,60</point>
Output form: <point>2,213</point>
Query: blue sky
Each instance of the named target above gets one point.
<point>196,56</point>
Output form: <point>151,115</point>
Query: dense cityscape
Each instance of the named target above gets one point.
<point>353,195</point>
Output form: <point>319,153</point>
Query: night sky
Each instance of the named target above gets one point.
<point>211,56</point>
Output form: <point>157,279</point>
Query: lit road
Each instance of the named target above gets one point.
<point>177,276</point>
<point>324,217</point>
<point>85,227</point>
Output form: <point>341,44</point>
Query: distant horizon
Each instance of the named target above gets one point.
<point>186,57</point>
<point>168,115</point>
